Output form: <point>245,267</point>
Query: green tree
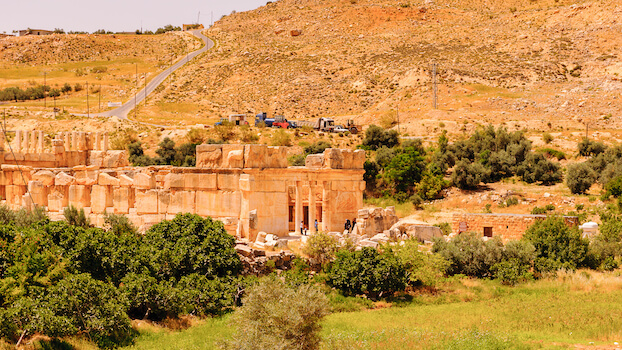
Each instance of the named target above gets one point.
<point>404,170</point>
<point>322,247</point>
<point>367,272</point>
<point>376,137</point>
<point>580,178</point>
<point>557,245</point>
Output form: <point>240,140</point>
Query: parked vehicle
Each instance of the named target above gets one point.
<point>263,118</point>
<point>353,128</point>
<point>235,119</point>
<point>325,124</point>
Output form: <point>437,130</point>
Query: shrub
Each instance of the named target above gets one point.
<point>614,187</point>
<point>317,147</point>
<point>375,137</point>
<point>92,307</point>
<point>580,178</point>
<point>274,316</point>
<point>552,153</point>
<point>225,130</point>
<point>538,211</point>
<point>557,245</point>
<point>423,268</point>
<point>536,168</point>
<point>77,87</point>
<point>99,69</point>
<point>469,255</point>
<point>588,148</point>
<point>297,160</point>
<point>76,217</point>
<point>190,244</point>
<point>547,138</point>
<point>247,135</point>
<point>25,217</point>
<point>388,119</point>
<point>281,138</point>
<point>321,247</point>
<point>469,175</point>
<point>367,272</point>
<point>517,260</point>
<point>66,88</point>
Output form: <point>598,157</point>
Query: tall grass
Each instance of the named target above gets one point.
<point>570,309</point>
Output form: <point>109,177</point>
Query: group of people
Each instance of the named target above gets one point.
<point>348,226</point>
<point>304,230</point>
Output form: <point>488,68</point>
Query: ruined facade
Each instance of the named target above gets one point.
<point>248,187</point>
<point>506,226</point>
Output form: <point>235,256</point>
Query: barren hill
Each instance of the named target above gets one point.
<point>523,63</point>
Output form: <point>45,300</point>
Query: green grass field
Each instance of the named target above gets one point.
<point>579,309</point>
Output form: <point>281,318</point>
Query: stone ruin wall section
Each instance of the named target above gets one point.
<point>506,226</point>
<point>250,188</point>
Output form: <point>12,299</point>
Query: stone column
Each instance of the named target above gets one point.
<point>74,141</point>
<point>18,140</point>
<point>33,141</point>
<point>66,141</point>
<point>298,207</point>
<point>25,146</point>
<point>312,214</point>
<point>105,145</point>
<point>40,142</point>
<point>326,206</point>
<point>98,140</point>
<point>2,140</point>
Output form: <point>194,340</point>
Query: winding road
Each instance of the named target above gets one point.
<point>122,112</point>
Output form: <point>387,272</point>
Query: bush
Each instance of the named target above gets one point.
<point>247,135</point>
<point>76,217</point>
<point>367,272</point>
<point>376,137</point>
<point>317,147</point>
<point>190,244</point>
<point>536,168</point>
<point>547,138</point>
<point>321,247</point>
<point>274,316</point>
<point>552,153</point>
<point>92,307</point>
<point>99,69</point>
<point>423,268</point>
<point>517,260</point>
<point>557,245</point>
<point>580,178</point>
<point>469,255</point>
<point>588,148</point>
<point>77,87</point>
<point>469,175</point>
<point>281,138</point>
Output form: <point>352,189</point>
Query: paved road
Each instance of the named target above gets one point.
<point>121,112</point>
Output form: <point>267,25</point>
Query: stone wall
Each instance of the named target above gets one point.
<point>66,149</point>
<point>506,226</point>
<point>248,187</point>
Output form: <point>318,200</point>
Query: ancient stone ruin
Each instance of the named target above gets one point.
<point>250,188</point>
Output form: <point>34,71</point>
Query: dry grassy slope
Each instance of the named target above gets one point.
<point>499,62</point>
<point>61,48</point>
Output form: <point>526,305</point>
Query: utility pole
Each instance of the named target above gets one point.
<point>87,100</point>
<point>398,117</point>
<point>212,20</point>
<point>136,93</point>
<point>45,102</point>
<point>99,101</point>
<point>145,89</point>
<point>434,88</point>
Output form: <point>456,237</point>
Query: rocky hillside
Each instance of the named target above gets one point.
<point>63,48</point>
<point>546,65</point>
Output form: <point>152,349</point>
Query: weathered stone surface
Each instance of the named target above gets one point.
<point>125,180</point>
<point>173,181</point>
<point>144,181</point>
<point>108,180</point>
<point>46,177</point>
<point>86,177</point>
<point>314,161</point>
<point>209,156</point>
<point>80,196</point>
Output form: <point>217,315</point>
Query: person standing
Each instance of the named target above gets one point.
<point>302,227</point>
<point>315,225</point>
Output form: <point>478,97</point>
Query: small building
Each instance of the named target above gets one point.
<point>506,226</point>
<point>35,32</point>
<point>3,35</point>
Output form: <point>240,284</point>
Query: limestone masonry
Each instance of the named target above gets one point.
<point>250,188</point>
<point>506,226</point>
